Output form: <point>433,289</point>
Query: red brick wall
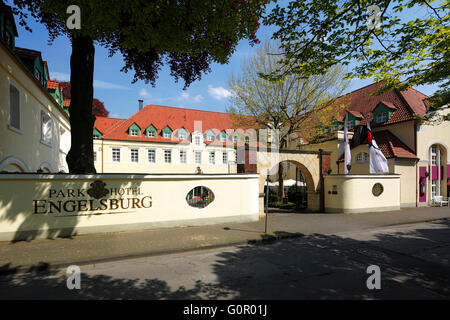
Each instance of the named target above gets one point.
<point>326,163</point>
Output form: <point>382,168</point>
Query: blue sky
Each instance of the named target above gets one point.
<point>120,96</point>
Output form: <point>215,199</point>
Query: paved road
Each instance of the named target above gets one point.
<point>414,260</point>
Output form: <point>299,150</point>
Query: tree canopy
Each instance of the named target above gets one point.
<point>290,104</point>
<point>187,36</point>
<point>405,42</point>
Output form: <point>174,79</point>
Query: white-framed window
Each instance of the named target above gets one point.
<point>167,156</point>
<point>225,157</point>
<point>210,137</point>
<point>167,134</point>
<point>134,155</point>
<point>182,135</point>
<point>37,74</point>
<point>235,156</point>
<point>64,140</point>
<point>212,157</point>
<point>223,138</point>
<point>183,156</point>
<point>14,107</point>
<point>115,154</point>
<point>198,157</point>
<point>95,137</point>
<point>362,157</point>
<point>134,132</point>
<point>197,140</point>
<point>151,154</point>
<point>151,133</point>
<point>381,117</point>
<point>235,138</point>
<point>350,124</point>
<point>95,156</point>
<point>46,128</point>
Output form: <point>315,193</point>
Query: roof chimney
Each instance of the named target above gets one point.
<point>141,102</point>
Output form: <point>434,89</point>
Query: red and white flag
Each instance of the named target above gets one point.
<point>347,153</point>
<point>378,162</point>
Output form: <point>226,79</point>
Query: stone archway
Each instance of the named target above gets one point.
<point>304,173</point>
<point>309,164</point>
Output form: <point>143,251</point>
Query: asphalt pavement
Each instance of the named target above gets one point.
<point>96,248</point>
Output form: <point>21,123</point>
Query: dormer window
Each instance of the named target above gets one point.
<point>151,131</point>
<point>383,111</point>
<point>97,135</point>
<point>197,140</point>
<point>350,124</point>
<point>382,117</point>
<point>235,138</point>
<point>223,137</point>
<point>182,134</point>
<point>134,130</point>
<point>210,136</point>
<point>37,74</point>
<point>167,132</point>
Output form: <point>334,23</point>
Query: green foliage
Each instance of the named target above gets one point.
<point>411,45</point>
<point>187,35</point>
<point>290,104</point>
<point>281,205</point>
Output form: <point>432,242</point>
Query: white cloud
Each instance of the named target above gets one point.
<point>198,98</point>
<point>59,76</point>
<point>144,93</point>
<point>186,97</point>
<point>108,85</point>
<point>219,93</point>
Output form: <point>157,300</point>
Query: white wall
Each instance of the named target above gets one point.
<point>26,212</point>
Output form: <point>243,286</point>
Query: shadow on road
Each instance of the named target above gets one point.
<point>413,264</point>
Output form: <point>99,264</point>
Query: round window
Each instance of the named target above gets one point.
<point>377,189</point>
<point>200,197</point>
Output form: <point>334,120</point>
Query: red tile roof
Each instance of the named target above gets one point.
<point>387,104</point>
<point>404,103</point>
<point>52,84</point>
<point>162,116</point>
<point>66,103</point>
<point>391,146</point>
<point>104,124</point>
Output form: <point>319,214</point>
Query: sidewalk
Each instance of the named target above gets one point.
<point>85,249</point>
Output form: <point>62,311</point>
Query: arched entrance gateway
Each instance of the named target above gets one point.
<point>311,165</point>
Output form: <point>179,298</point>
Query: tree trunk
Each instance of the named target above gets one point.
<point>81,157</point>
